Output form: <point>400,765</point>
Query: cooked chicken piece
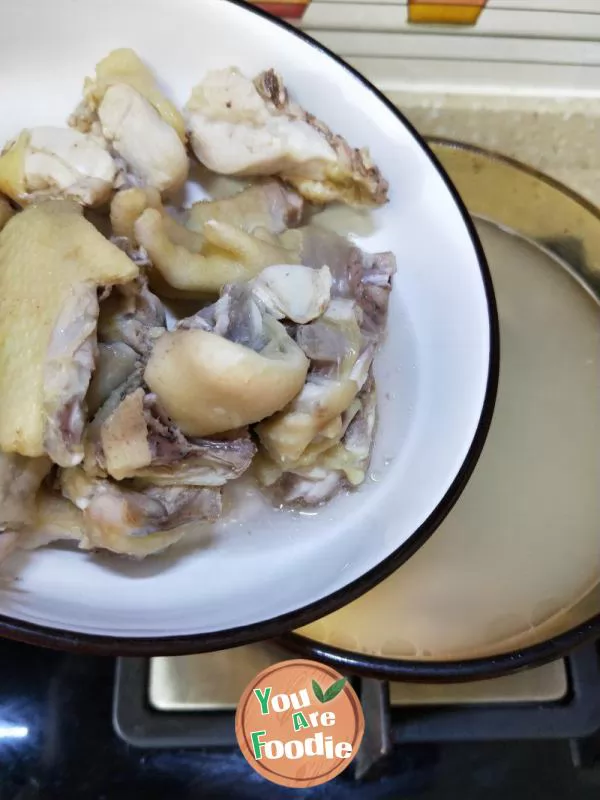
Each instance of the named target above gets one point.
<point>8,545</point>
<point>133,315</point>
<point>369,282</point>
<point>68,367</point>
<point>57,163</point>
<point>123,66</point>
<point>114,363</point>
<point>50,258</point>
<point>294,292</point>
<point>55,519</point>
<point>364,277</point>
<point>228,255</point>
<point>268,205</point>
<point>20,480</point>
<point>127,206</point>
<point>124,438</point>
<point>269,472</point>
<point>6,211</point>
<point>287,435</point>
<point>316,478</point>
<point>93,462</point>
<point>317,486</point>
<point>151,149</point>
<point>322,342</point>
<point>243,127</point>
<point>328,392</point>
<point>197,462</point>
<point>140,124</point>
<point>138,441</point>
<point>137,522</point>
<point>231,365</point>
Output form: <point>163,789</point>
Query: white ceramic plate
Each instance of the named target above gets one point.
<point>263,571</point>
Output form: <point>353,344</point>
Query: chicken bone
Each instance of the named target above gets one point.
<point>139,441</point>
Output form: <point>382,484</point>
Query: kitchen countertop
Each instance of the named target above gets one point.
<point>559,137</point>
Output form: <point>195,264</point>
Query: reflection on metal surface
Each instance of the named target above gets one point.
<point>377,744</point>
<point>210,681</point>
<point>215,682</point>
<point>542,685</point>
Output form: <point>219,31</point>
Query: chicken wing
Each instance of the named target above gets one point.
<point>51,261</point>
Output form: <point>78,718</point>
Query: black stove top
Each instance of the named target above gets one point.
<point>57,740</point>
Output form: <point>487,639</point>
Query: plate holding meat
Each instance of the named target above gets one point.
<point>248,337</point>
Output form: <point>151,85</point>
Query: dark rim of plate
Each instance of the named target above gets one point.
<point>462,670</point>
<point>277,626</point>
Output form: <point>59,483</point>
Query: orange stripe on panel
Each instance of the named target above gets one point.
<point>290,9</point>
<point>445,12</point>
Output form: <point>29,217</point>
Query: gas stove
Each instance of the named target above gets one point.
<point>190,701</point>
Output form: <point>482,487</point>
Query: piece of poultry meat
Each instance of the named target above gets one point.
<point>224,253</point>
<point>115,362</point>
<point>247,128</point>
<point>136,521</point>
<point>6,211</point>
<point>124,104</point>
<point>215,242</point>
<point>318,478</point>
<point>197,370</point>
<point>53,519</point>
<point>267,209</point>
<point>8,544</point>
<point>52,262</point>
<point>364,277</point>
<point>139,441</point>
<point>331,386</point>
<point>20,480</point>
<point>267,205</point>
<point>293,292</point>
<point>68,367</point>
<point>132,315</point>
<point>49,162</point>
<point>93,462</point>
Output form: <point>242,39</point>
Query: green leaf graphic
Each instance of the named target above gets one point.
<point>334,690</point>
<point>318,692</point>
